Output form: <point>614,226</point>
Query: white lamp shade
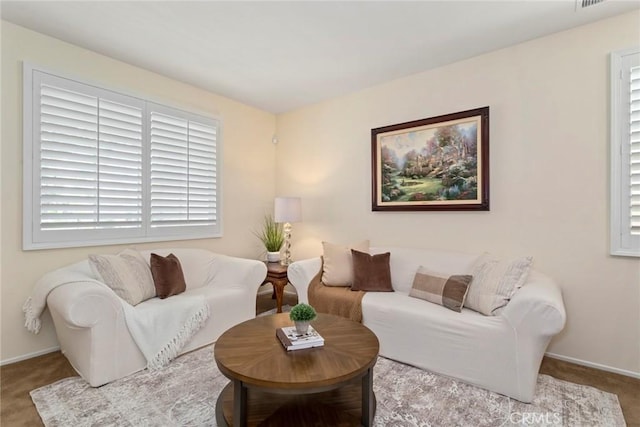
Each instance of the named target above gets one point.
<point>288,209</point>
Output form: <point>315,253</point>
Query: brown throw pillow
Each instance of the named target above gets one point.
<point>371,272</point>
<point>168,277</point>
<point>442,289</point>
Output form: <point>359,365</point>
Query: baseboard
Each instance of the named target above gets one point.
<point>594,365</point>
<point>29,355</point>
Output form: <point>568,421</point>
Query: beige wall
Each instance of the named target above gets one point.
<point>248,175</point>
<point>549,175</point>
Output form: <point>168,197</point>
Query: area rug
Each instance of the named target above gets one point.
<point>185,392</point>
<point>285,309</point>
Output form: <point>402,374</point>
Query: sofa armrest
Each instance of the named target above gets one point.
<point>227,270</point>
<point>300,274</point>
<point>92,331</point>
<point>85,304</point>
<point>537,308</point>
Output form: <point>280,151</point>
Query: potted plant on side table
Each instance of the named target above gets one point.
<point>272,237</point>
<point>302,314</point>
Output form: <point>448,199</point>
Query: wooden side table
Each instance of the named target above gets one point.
<point>277,276</point>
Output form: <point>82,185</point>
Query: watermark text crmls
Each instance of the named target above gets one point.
<point>530,418</point>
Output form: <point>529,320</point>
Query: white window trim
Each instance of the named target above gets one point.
<point>29,173</point>
<point>622,242</point>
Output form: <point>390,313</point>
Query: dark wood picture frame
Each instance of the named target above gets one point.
<point>435,164</point>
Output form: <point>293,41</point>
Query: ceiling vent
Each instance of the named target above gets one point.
<point>581,4</point>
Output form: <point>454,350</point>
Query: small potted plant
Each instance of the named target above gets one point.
<point>302,314</point>
<point>272,237</point>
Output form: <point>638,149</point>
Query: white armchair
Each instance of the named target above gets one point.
<point>90,322</point>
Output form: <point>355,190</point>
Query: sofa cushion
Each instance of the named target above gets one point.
<point>126,273</point>
<point>495,281</point>
<point>371,272</point>
<point>167,275</point>
<point>442,289</point>
<point>337,268</point>
<point>198,265</point>
<point>406,261</point>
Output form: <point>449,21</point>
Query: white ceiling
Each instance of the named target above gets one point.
<point>278,56</point>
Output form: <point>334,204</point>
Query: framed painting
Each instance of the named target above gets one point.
<point>435,164</point>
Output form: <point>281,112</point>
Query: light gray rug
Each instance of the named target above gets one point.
<point>285,309</point>
<point>185,392</point>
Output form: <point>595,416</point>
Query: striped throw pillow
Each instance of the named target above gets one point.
<point>442,289</point>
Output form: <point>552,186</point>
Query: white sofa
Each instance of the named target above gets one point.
<point>90,322</point>
<point>500,353</point>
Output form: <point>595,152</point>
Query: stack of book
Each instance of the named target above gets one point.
<point>292,340</point>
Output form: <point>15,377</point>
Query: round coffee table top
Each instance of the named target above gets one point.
<point>250,352</point>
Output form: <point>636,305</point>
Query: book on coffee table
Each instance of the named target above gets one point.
<point>292,340</point>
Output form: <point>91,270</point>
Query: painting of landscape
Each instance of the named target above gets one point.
<point>432,164</point>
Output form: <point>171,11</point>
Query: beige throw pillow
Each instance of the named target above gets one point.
<point>127,274</point>
<point>337,269</point>
<point>494,282</point>
<point>443,289</point>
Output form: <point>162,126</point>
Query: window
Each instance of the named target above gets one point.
<point>102,167</point>
<point>625,152</point>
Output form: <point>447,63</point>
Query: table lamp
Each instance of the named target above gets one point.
<point>287,210</point>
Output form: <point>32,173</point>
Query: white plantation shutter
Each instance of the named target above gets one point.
<point>68,154</point>
<point>203,185</point>
<point>87,158</point>
<point>120,166</point>
<point>634,156</point>
<point>625,152</point>
<point>183,170</point>
<point>90,151</point>
<point>102,167</point>
<point>169,170</point>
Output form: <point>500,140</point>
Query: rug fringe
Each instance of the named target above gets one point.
<point>172,348</point>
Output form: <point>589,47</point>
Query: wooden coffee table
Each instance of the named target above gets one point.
<point>330,385</point>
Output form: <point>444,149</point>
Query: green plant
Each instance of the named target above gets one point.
<point>272,234</point>
<point>302,313</point>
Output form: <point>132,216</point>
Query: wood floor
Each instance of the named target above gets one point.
<point>17,379</point>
